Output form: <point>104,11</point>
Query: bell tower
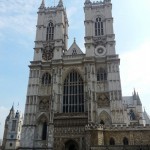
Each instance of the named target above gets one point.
<point>50,45</point>
<point>51,33</point>
<point>99,34</point>
<point>102,57</point>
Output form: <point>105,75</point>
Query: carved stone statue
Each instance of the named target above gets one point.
<point>132,115</point>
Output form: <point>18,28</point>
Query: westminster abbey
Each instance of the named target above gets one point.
<point>74,99</point>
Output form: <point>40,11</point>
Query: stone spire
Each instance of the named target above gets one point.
<point>11,113</point>
<point>42,4</point>
<point>134,95</point>
<point>60,4</point>
<point>12,108</point>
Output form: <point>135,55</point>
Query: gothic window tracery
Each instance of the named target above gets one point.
<point>73,94</point>
<point>50,32</point>
<point>101,75</point>
<point>14,123</point>
<point>46,79</point>
<point>99,27</point>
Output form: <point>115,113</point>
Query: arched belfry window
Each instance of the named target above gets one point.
<point>50,32</point>
<point>101,75</point>
<point>99,27</point>
<point>73,94</point>
<point>111,141</point>
<point>46,79</point>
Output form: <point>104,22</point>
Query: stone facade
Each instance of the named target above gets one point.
<point>74,100</point>
<point>12,130</point>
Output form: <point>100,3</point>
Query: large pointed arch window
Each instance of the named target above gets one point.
<point>99,27</point>
<point>101,74</point>
<point>50,32</point>
<point>73,94</point>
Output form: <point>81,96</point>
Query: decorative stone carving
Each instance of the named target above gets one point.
<point>44,105</point>
<point>103,100</point>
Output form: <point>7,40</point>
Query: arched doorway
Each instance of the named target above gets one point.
<point>71,145</point>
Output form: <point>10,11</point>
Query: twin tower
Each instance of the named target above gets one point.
<point>69,89</point>
<point>73,96</point>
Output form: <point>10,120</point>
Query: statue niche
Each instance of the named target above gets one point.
<point>44,105</point>
<point>103,100</point>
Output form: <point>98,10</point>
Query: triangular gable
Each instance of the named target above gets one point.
<point>74,49</point>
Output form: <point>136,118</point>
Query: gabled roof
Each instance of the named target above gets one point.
<point>74,49</point>
<point>128,100</point>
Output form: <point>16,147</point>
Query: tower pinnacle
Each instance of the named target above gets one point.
<point>42,4</point>
<point>60,4</point>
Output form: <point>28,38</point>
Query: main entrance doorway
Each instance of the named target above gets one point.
<point>71,145</point>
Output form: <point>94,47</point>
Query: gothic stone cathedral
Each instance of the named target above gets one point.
<point>74,100</point>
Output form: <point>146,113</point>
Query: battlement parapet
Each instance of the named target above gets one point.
<point>126,127</point>
<point>92,126</point>
<point>97,3</point>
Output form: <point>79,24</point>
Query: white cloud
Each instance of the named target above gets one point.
<point>71,11</point>
<point>135,71</point>
<point>18,15</point>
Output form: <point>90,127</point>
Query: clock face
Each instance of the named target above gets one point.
<point>47,55</point>
<point>100,51</point>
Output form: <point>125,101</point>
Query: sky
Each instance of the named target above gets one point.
<point>18,19</point>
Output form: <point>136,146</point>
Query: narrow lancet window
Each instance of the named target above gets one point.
<point>99,27</point>
<point>44,131</point>
<point>14,123</point>
<point>46,79</point>
<point>101,75</point>
<point>50,32</point>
